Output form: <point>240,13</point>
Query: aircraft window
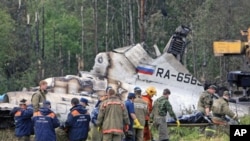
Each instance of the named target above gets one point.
<point>61,108</point>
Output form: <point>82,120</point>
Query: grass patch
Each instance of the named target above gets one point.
<point>176,134</point>
<point>7,135</point>
<point>245,120</point>
<point>193,133</point>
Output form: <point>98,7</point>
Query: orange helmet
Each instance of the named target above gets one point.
<point>151,91</point>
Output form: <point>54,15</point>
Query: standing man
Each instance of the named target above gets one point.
<point>160,109</point>
<point>77,122</point>
<point>147,97</point>
<point>45,122</point>
<point>206,100</point>
<point>141,111</point>
<point>220,109</point>
<point>205,103</point>
<point>96,134</point>
<point>40,95</point>
<point>84,102</point>
<point>112,117</point>
<point>23,123</point>
<point>134,122</point>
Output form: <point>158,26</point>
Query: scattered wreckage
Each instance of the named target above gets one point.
<point>123,69</point>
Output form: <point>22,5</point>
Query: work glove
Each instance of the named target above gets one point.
<point>99,129</point>
<point>238,121</point>
<point>178,123</point>
<point>137,124</point>
<point>126,127</point>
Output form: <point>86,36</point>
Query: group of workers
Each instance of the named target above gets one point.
<point>112,118</point>
<point>217,110</point>
<point>132,117</point>
<point>38,118</point>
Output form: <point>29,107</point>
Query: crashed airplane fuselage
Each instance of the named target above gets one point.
<point>123,69</point>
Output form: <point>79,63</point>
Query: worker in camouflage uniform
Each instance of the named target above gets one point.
<point>148,97</point>
<point>141,111</point>
<point>39,96</point>
<point>159,113</point>
<point>220,109</point>
<point>112,118</point>
<point>206,100</point>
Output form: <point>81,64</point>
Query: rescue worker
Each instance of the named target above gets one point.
<point>160,109</point>
<point>77,123</point>
<point>112,117</point>
<point>40,95</point>
<point>141,110</point>
<point>220,109</point>
<point>23,123</point>
<point>205,103</point>
<point>45,122</point>
<point>84,102</point>
<point>96,134</point>
<point>147,97</point>
<point>206,100</point>
<point>134,122</point>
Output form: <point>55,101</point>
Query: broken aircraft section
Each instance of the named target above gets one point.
<point>123,69</point>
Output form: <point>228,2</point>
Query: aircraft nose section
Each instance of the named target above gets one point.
<point>4,98</point>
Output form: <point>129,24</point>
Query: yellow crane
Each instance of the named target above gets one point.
<point>236,47</point>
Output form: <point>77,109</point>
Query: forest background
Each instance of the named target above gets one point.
<point>48,38</point>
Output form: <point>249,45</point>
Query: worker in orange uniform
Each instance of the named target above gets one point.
<point>147,97</point>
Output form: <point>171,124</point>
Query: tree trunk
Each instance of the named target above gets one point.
<point>194,54</point>
<point>82,54</point>
<point>131,22</point>
<point>141,8</point>
<point>107,25</point>
<point>43,34</point>
<point>124,29</point>
<point>37,43</point>
<point>69,62</point>
<point>95,22</point>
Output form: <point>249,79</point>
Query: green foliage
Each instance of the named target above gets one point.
<point>189,134</point>
<point>192,134</point>
<point>64,22</point>
<point>6,27</point>
<point>245,120</point>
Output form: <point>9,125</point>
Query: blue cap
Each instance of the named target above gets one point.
<point>46,103</point>
<point>131,95</point>
<point>84,100</point>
